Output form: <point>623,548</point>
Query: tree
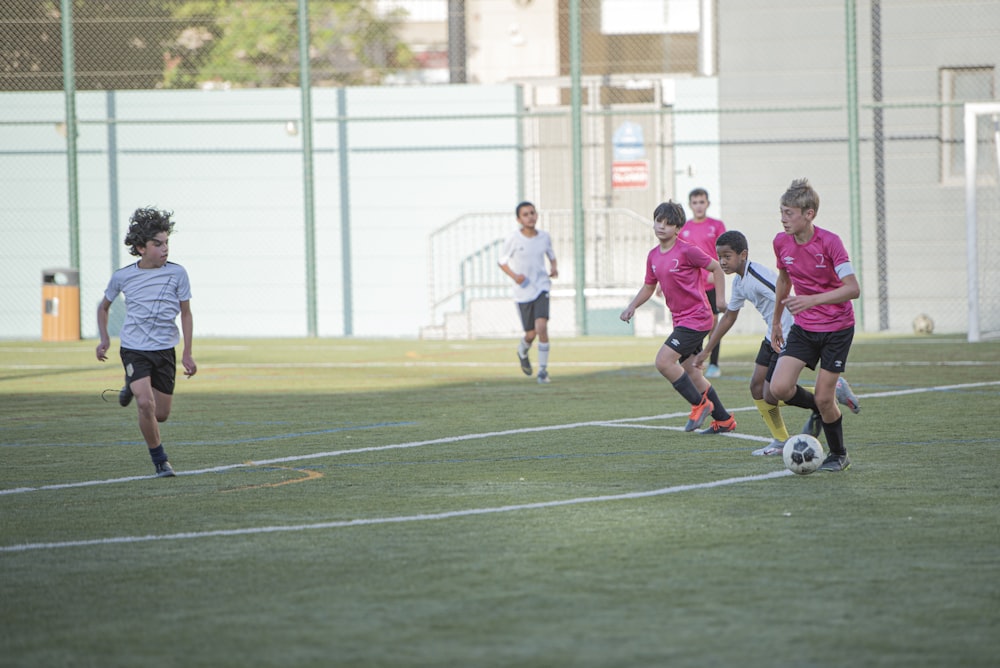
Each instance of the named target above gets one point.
<point>141,44</point>
<point>246,43</point>
<point>118,44</point>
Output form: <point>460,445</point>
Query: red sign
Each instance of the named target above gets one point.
<point>630,174</point>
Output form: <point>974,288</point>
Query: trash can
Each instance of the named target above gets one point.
<point>60,305</point>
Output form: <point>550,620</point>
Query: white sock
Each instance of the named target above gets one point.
<point>523,347</point>
<point>543,355</point>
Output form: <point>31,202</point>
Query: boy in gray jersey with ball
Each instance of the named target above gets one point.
<point>156,291</point>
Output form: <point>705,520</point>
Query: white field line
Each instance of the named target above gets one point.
<point>438,364</point>
<point>337,453</point>
<point>392,520</point>
<point>621,423</point>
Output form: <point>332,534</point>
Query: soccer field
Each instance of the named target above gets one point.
<point>411,503</point>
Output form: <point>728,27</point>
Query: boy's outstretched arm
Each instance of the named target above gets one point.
<point>641,297</point>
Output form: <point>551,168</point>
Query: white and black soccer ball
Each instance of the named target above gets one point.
<point>923,324</point>
<point>803,454</point>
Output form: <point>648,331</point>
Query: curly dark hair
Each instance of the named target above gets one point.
<point>145,224</point>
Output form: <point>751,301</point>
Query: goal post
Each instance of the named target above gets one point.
<point>982,218</point>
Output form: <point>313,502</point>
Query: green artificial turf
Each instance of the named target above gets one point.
<point>413,503</point>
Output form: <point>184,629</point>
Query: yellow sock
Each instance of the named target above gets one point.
<point>772,418</point>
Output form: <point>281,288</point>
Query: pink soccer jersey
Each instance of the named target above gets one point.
<point>703,235</point>
<point>812,269</point>
<point>678,271</point>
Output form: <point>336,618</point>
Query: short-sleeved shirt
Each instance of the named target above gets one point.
<point>526,255</point>
<point>678,271</point>
<point>703,235</point>
<point>816,267</point>
<point>757,287</point>
<point>152,302</point>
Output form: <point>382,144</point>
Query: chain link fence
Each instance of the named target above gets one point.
<point>422,112</point>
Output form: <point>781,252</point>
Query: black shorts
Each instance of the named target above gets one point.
<point>685,342</point>
<point>830,349</point>
<point>532,311</point>
<point>767,357</point>
<point>160,366</point>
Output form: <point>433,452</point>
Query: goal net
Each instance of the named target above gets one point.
<point>982,217</point>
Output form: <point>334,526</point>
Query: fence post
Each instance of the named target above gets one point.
<point>69,90</point>
<point>305,86</point>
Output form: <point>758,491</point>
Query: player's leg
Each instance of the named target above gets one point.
<point>713,370</point>
<point>784,380</point>
<point>682,346</point>
<point>161,391</point>
<point>802,350</point>
<point>826,395</point>
<point>541,313</point>
<point>722,420</point>
<point>769,412</point>
<point>836,347</point>
<point>527,316</point>
<point>668,364</point>
<point>145,401</point>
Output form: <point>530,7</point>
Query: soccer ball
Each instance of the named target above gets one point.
<point>803,454</point>
<point>923,324</point>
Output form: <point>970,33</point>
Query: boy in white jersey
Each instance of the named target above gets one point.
<point>523,259</point>
<point>676,266</point>
<point>814,262</point>
<point>156,291</point>
<point>754,283</point>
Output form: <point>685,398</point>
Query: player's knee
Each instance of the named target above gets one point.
<point>780,392</point>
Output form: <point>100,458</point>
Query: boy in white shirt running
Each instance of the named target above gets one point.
<point>523,260</point>
<point>156,291</point>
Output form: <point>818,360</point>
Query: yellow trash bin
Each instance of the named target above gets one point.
<point>60,305</point>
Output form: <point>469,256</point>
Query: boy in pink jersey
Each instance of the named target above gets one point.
<point>676,267</point>
<point>814,262</point>
<point>703,232</point>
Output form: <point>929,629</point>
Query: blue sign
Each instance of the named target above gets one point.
<point>627,142</point>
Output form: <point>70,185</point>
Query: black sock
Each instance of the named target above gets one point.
<point>719,411</point>
<point>686,389</point>
<point>834,432</point>
<point>158,455</point>
<point>803,399</point>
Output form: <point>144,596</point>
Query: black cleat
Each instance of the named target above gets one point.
<point>125,396</point>
<point>835,463</point>
<point>525,364</point>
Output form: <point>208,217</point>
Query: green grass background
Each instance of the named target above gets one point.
<point>895,562</point>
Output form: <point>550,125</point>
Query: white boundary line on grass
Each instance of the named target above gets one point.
<point>393,520</point>
<point>620,423</point>
<point>337,453</point>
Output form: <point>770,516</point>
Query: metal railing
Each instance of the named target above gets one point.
<point>465,253</point>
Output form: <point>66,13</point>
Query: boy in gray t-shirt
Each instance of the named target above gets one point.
<point>156,292</point>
